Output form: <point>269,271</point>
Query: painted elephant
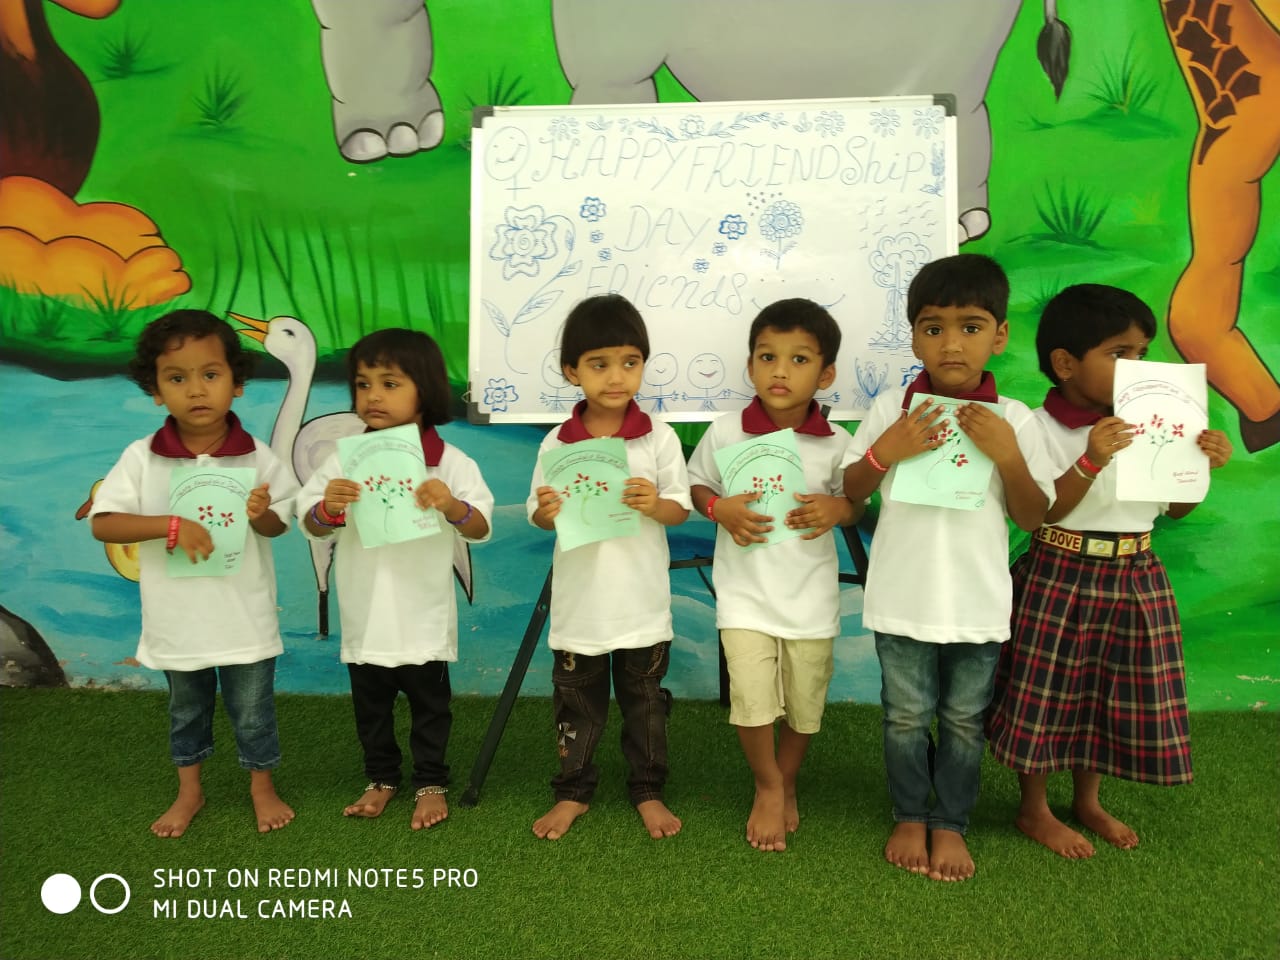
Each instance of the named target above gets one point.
<point>377,58</point>
<point>765,50</point>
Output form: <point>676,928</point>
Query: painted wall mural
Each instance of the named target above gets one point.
<point>304,171</point>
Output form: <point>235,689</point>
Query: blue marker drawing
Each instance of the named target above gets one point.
<point>937,167</point>
<point>885,122</point>
<point>894,262</point>
<point>505,156</point>
<point>871,380</point>
<point>660,373</point>
<point>733,226</point>
<point>498,394</point>
<point>780,221</point>
<point>563,395</point>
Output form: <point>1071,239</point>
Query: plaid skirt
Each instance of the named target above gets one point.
<point>1092,678</point>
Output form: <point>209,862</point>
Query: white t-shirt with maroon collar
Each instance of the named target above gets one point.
<point>790,589</point>
<point>396,602</point>
<point>616,594</point>
<point>191,623</point>
<point>937,574</point>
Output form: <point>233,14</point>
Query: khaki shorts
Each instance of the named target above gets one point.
<point>770,677</point>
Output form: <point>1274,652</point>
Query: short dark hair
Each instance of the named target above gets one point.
<point>802,314</point>
<point>418,355</point>
<point>1082,316</point>
<point>608,320</point>
<point>159,335</point>
<point>961,280</point>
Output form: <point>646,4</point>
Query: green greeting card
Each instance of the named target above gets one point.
<point>589,477</point>
<point>214,498</point>
<point>389,466</point>
<point>768,465</point>
<point>955,474</point>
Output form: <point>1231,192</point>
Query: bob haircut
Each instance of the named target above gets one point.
<point>418,355</point>
<point>609,320</point>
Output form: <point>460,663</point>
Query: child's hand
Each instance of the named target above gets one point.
<point>744,524</point>
<point>1106,437</point>
<point>548,506</point>
<point>990,432</point>
<point>1216,447</point>
<point>338,494</point>
<point>434,493</point>
<point>818,512</point>
<point>640,494</point>
<point>910,435</point>
<point>258,502</point>
<point>194,539</point>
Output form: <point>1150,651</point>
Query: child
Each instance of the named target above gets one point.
<point>206,630</point>
<point>611,601</point>
<point>938,590</point>
<point>398,611</point>
<point>1093,681</point>
<point>778,609</point>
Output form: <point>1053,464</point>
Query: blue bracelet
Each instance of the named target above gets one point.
<point>465,517</point>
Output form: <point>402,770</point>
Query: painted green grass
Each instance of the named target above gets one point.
<point>83,772</point>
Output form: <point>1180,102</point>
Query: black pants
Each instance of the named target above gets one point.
<point>581,702</point>
<point>373,694</point>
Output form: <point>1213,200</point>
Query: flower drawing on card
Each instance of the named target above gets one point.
<point>389,465</point>
<point>214,498</point>
<point>769,468</point>
<point>1167,404</point>
<point>583,491</point>
<point>588,477</point>
<point>766,488</point>
<point>1159,433</point>
<point>954,474</point>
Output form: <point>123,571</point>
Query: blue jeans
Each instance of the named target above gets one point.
<point>248,694</point>
<point>953,681</point>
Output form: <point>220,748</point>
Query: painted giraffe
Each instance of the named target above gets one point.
<point>1229,52</point>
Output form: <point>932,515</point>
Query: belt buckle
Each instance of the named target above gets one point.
<point>1093,547</point>
<point>1126,546</point>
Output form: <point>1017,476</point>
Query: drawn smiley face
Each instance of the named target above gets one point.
<point>506,153</point>
<point>706,371</point>
<point>660,370</point>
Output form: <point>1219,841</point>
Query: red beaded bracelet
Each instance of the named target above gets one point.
<point>175,523</point>
<point>711,509</point>
<point>1087,464</point>
<point>875,464</point>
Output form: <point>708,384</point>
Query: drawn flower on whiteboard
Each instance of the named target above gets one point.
<point>498,394</point>
<point>829,123</point>
<point>926,121</point>
<point>779,222</point>
<point>526,238</point>
<point>885,122</point>
<point>701,265</point>
<point>564,128</point>
<point>605,254</point>
<point>691,126</point>
<point>719,248</point>
<point>597,236</point>
<point>733,226</point>
<point>592,209</point>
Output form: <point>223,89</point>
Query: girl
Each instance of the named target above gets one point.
<point>1093,680</point>
<point>611,601</point>
<point>398,612</point>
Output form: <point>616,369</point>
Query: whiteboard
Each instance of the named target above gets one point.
<point>701,214</point>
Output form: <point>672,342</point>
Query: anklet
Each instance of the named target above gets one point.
<point>380,786</point>
<point>429,792</point>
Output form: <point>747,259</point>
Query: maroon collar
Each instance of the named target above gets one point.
<point>1067,413</point>
<point>986,391</point>
<point>166,441</point>
<point>635,423</point>
<point>432,444</point>
<point>755,420</point>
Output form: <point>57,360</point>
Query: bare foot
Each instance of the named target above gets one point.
<point>906,847</point>
<point>371,803</point>
<point>555,823</point>
<point>174,821</point>
<point>430,809</point>
<point>658,820</point>
<point>1043,827</point>
<point>272,812</point>
<point>950,859</point>
<point>1106,826</point>
<point>790,808</point>
<point>766,827</point>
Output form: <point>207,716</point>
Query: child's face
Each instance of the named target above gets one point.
<point>195,384</point>
<point>1088,381</point>
<point>955,344</point>
<point>786,369</point>
<point>609,376</point>
<point>386,396</point>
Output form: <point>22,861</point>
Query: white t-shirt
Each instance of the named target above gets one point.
<point>791,589</point>
<point>941,575</point>
<point>616,594</point>
<point>1098,510</point>
<point>191,623</point>
<point>396,602</point>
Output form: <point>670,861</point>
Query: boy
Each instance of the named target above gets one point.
<point>202,630</point>
<point>778,609</point>
<point>611,602</point>
<point>938,590</point>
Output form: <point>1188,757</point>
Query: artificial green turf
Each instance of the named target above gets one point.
<point>83,773</point>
